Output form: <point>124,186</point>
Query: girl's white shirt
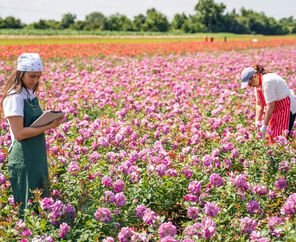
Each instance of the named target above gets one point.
<point>275,88</point>
<point>13,105</point>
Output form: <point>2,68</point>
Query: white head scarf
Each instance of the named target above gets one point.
<point>29,62</point>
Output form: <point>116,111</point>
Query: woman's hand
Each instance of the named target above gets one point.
<point>20,132</point>
<point>55,123</point>
<point>258,125</point>
<point>263,129</point>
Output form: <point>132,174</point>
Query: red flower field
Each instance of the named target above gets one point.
<point>132,49</point>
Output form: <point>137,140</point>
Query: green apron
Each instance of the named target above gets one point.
<point>27,160</point>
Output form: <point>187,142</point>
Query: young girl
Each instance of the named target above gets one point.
<point>27,159</point>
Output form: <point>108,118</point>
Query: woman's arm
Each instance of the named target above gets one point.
<point>269,110</point>
<point>20,132</point>
<point>259,111</point>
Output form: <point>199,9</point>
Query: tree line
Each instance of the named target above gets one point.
<point>209,16</point>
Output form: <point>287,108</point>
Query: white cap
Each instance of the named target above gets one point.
<point>246,75</point>
<point>29,62</point>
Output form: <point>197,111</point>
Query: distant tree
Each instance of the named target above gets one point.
<point>290,20</point>
<point>288,23</point>
<point>259,23</point>
<point>127,24</point>
<point>273,27</point>
<point>41,24</point>
<point>211,15</point>
<point>234,23</point>
<point>193,25</point>
<point>12,23</point>
<point>79,25</point>
<point>2,23</point>
<point>53,24</point>
<point>118,22</point>
<point>67,20</point>
<point>179,20</point>
<point>293,26</point>
<point>44,24</point>
<point>94,20</point>
<point>155,21</point>
<point>256,22</point>
<point>293,30</point>
<point>138,22</point>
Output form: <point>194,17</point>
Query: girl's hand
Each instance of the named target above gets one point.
<point>258,124</point>
<point>55,123</point>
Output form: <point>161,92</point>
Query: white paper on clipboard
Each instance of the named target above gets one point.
<point>46,118</point>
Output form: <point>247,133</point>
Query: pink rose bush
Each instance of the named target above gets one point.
<point>2,179</point>
<point>57,211</point>
<point>156,148</point>
<point>211,209</point>
<point>248,225</point>
<point>167,229</point>
<point>64,229</point>
<point>103,214</point>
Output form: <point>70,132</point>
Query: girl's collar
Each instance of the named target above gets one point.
<point>26,90</point>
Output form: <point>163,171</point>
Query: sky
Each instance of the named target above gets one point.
<point>29,11</point>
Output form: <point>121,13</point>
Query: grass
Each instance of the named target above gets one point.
<point>37,37</point>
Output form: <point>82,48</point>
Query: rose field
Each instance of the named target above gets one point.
<point>158,144</point>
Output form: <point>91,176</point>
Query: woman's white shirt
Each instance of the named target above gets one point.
<point>13,105</point>
<point>275,88</point>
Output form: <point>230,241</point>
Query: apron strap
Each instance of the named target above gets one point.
<point>259,91</point>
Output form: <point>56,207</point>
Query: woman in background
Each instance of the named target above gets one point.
<point>272,92</point>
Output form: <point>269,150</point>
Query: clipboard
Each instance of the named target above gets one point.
<point>46,118</point>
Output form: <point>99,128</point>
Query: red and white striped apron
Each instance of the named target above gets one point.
<point>280,116</point>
